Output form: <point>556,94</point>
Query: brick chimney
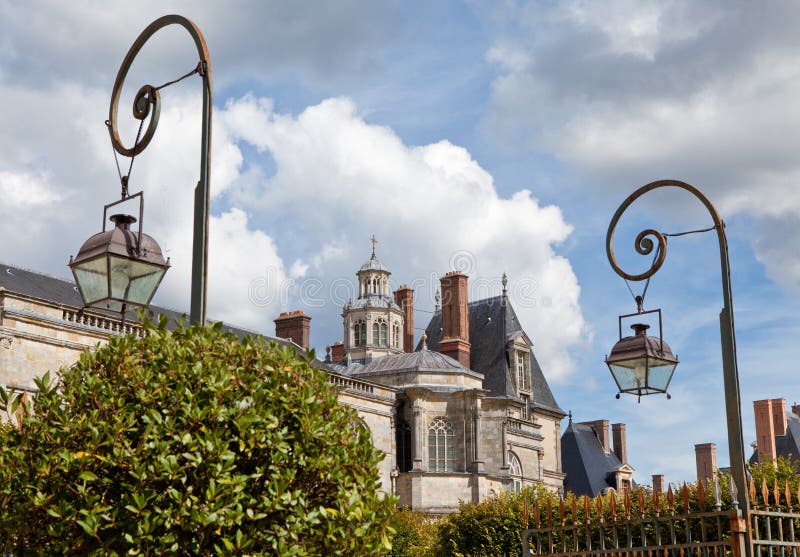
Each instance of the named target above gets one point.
<point>705,455</point>
<point>796,409</point>
<point>779,416</point>
<point>658,483</point>
<point>455,318</point>
<point>620,447</point>
<point>601,430</point>
<point>294,326</point>
<point>337,352</point>
<point>404,297</point>
<point>765,429</point>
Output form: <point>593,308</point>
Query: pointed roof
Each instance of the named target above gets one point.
<point>589,469</point>
<point>493,323</point>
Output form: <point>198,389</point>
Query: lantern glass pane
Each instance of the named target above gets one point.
<point>661,373</point>
<point>630,374</point>
<point>92,280</point>
<point>133,281</point>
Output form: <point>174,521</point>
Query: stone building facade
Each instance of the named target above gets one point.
<point>474,413</point>
<point>463,414</point>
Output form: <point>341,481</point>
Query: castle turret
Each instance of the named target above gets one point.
<point>374,323</point>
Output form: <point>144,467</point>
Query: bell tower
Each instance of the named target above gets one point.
<point>373,323</point>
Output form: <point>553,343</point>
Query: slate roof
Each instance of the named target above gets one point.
<point>421,360</point>
<point>61,291</point>
<point>492,325</point>
<point>786,445</point>
<point>588,468</point>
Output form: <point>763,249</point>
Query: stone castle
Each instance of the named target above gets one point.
<point>464,413</point>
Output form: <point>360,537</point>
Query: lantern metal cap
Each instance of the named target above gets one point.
<point>639,345</point>
<point>121,240</point>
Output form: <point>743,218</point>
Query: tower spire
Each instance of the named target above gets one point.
<point>374,241</point>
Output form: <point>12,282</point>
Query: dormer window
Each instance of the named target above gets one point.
<point>523,370</point>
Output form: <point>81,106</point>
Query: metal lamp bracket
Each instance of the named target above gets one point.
<point>140,195</point>
<point>638,313</point>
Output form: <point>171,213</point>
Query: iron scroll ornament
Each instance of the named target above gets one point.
<point>148,99</point>
<point>644,244</point>
<point>148,102</point>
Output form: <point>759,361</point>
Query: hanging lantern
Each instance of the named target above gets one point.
<point>118,268</point>
<point>641,364</point>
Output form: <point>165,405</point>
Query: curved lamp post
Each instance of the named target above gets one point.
<point>644,245</point>
<point>119,268</point>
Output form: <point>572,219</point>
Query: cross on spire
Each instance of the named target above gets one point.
<point>374,241</point>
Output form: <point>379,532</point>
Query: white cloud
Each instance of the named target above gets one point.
<point>621,91</point>
<point>24,191</point>
<point>341,177</point>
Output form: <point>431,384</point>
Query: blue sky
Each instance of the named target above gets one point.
<point>489,136</point>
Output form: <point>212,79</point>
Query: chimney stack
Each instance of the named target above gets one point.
<point>658,483</point>
<point>796,409</point>
<point>620,447</point>
<point>455,318</point>
<point>404,297</point>
<point>337,352</point>
<point>765,430</point>
<point>705,455</point>
<point>601,430</point>
<point>294,326</point>
<point>779,416</point>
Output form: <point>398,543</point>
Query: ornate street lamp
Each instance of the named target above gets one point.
<point>119,268</point>
<point>645,245</point>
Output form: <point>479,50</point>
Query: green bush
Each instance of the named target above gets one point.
<point>189,442</point>
<point>490,528</point>
<point>782,472</point>
<point>415,535</point>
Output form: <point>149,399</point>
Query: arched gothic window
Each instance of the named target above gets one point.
<point>396,335</point>
<point>515,471</point>
<point>379,333</point>
<point>359,333</point>
<point>441,450</point>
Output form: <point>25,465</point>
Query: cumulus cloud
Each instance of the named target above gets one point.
<point>341,178</point>
<point>699,91</point>
<point>327,42</point>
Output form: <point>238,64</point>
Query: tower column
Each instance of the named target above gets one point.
<point>418,431</point>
